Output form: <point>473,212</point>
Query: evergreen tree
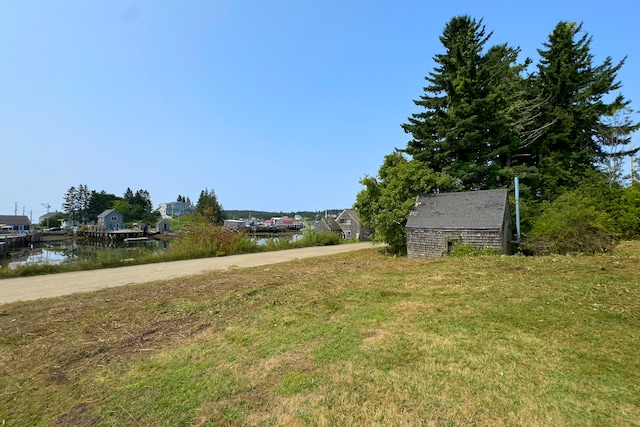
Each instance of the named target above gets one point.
<point>209,208</point>
<point>142,198</point>
<point>84,197</point>
<point>76,204</point>
<point>467,126</point>
<point>128,196</point>
<point>573,89</point>
<point>70,205</point>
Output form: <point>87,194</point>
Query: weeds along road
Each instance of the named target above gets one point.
<point>55,285</point>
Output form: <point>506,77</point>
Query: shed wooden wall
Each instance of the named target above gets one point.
<point>429,243</point>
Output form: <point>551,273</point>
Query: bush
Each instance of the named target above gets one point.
<point>204,239</point>
<point>627,214</point>
<point>313,238</point>
<point>571,224</point>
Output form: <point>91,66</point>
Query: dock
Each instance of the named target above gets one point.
<point>10,241</point>
<point>97,233</point>
<point>272,229</point>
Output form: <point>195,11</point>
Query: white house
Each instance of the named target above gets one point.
<point>175,209</point>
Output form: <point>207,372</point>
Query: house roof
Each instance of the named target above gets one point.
<point>331,224</point>
<point>108,212</point>
<point>352,213</point>
<point>14,220</point>
<point>49,215</point>
<point>477,210</point>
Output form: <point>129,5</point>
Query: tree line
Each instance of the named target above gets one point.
<point>82,206</point>
<point>485,117</point>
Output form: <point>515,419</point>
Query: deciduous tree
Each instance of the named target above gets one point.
<point>386,201</point>
<point>99,202</point>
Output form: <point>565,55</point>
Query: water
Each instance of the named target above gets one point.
<point>58,252</point>
<point>262,240</point>
<point>69,251</point>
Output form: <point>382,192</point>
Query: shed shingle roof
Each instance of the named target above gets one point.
<point>477,210</point>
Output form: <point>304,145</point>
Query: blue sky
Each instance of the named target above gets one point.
<point>277,105</point>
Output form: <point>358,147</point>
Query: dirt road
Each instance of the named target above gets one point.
<point>53,285</point>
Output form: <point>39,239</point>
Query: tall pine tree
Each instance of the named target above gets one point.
<point>574,91</point>
<point>467,126</point>
<point>209,208</point>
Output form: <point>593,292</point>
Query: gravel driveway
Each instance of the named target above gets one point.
<point>54,285</point>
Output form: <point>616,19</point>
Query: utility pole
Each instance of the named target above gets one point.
<point>47,205</point>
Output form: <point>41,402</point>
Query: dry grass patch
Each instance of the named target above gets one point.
<point>355,339</point>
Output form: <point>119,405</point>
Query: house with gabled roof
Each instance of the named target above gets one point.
<point>346,224</point>
<point>328,224</point>
<point>111,219</point>
<point>163,225</point>
<point>175,209</point>
<point>438,221</point>
<point>15,223</point>
<point>43,219</point>
<point>349,222</point>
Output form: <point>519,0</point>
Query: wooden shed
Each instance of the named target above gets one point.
<point>163,225</point>
<point>438,221</point>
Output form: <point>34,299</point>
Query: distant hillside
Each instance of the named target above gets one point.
<point>310,215</point>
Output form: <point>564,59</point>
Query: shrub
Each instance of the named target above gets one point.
<point>314,238</point>
<point>627,214</point>
<point>571,224</point>
<point>204,239</point>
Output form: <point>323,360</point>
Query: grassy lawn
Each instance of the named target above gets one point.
<point>356,339</point>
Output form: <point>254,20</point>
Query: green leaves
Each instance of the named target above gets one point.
<point>571,224</point>
<point>209,208</point>
<point>467,129</point>
<point>483,121</point>
<point>386,202</point>
<point>574,89</point>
